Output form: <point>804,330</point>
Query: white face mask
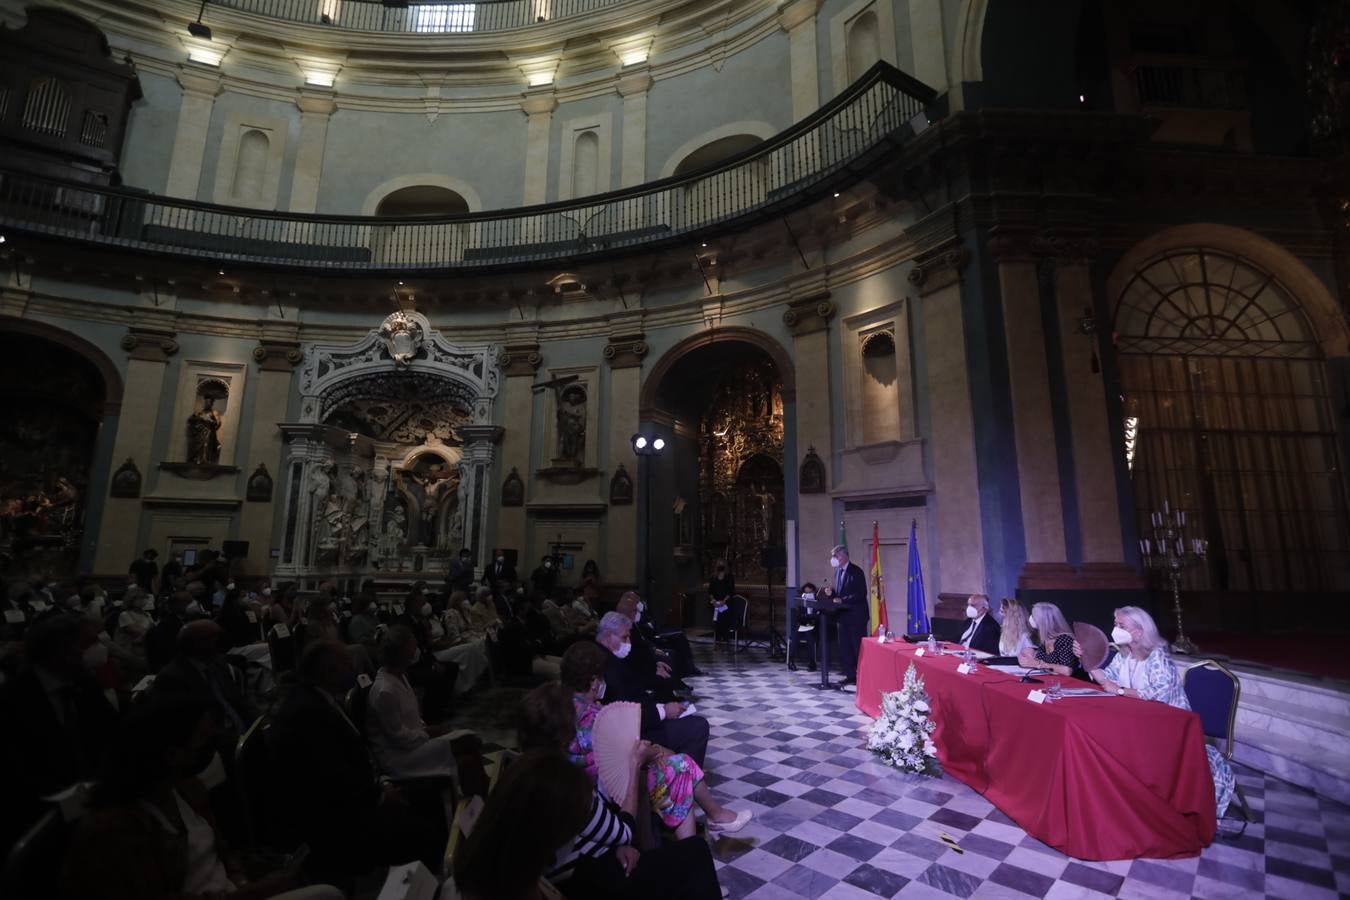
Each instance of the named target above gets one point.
<point>501,559</point>
<point>147,605</point>
<point>1120,635</point>
<point>547,564</point>
<point>624,649</point>
<point>1031,621</point>
<point>834,562</point>
<point>426,610</point>
<point>972,612</point>
<point>808,597</point>
<point>95,656</point>
<point>600,691</point>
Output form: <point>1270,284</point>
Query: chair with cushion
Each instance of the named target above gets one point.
<point>1213,692</point>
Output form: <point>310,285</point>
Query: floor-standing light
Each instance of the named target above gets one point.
<point>646,447</point>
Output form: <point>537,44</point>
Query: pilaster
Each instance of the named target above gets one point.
<point>633,89</point>
<point>798,19</point>
<point>518,362</point>
<point>316,109</point>
<point>200,90</point>
<point>624,354</point>
<point>808,317</point>
<point>276,361</point>
<point>538,108</point>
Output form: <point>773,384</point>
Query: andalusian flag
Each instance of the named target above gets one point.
<point>877,597</point>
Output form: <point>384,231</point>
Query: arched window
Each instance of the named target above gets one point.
<point>1226,395</point>
<point>585,164</point>
<point>415,242</point>
<point>880,394</point>
<point>864,44</point>
<point>250,166</point>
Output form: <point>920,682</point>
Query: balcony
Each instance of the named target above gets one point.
<point>418,16</point>
<point>1198,99</point>
<point>840,144</point>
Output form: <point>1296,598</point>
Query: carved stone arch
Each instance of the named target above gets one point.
<point>112,378</point>
<point>1302,284</point>
<point>966,61</point>
<point>782,360</point>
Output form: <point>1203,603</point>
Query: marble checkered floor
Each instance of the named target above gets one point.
<point>830,822</point>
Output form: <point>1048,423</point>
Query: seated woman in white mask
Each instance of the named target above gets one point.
<point>1143,669</point>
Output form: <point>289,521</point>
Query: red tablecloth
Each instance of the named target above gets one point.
<point>1095,777</point>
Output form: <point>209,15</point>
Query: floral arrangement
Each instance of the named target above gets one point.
<point>901,733</point>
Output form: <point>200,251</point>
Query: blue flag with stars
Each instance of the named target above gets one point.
<point>917,604</point>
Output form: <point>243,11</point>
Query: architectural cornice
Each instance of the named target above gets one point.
<point>149,345</point>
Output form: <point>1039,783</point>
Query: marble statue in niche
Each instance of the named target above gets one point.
<point>395,528</point>
<point>429,482</point>
<point>321,479</point>
<point>203,434</point>
<point>455,537</point>
<point>571,421</point>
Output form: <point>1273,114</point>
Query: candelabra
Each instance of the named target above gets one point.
<point>1170,552</point>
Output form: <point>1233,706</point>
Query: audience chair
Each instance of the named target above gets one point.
<point>284,650</point>
<point>739,609</point>
<point>1213,691</point>
<point>357,702</point>
<point>265,823</point>
<point>34,863</point>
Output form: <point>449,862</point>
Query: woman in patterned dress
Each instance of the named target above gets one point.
<point>1144,669</point>
<point>674,781</point>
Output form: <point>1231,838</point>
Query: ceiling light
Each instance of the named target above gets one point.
<point>320,79</point>
<point>221,272</point>
<point>400,284</point>
<point>198,30</point>
<point>633,57</point>
<point>836,194</point>
<point>205,56</point>
<point>539,79</point>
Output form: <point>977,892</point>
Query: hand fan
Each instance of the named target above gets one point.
<point>1094,645</point>
<point>614,738</point>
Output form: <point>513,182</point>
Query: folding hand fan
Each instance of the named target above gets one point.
<point>1094,645</point>
<point>614,739</point>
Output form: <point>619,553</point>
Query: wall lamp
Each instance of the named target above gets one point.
<point>645,446</point>
<point>197,29</point>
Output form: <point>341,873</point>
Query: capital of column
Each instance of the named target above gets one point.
<point>538,104</point>
<point>316,103</point>
<point>277,356</point>
<point>1066,248</point>
<point>794,13</point>
<point>199,84</point>
<point>150,345</point>
<point>521,359</point>
<point>939,268</point>
<point>625,351</point>
<point>478,439</point>
<point>1012,245</point>
<point>810,314</point>
<point>634,84</point>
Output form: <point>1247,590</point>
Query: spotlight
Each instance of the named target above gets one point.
<point>648,446</point>
<point>220,272</point>
<point>199,30</point>
<point>639,442</point>
<point>659,444</point>
<point>836,195</point>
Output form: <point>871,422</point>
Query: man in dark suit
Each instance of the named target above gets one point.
<point>161,641</point>
<point>352,819</point>
<point>661,722</point>
<point>499,570</point>
<point>199,672</point>
<point>56,721</point>
<point>849,591</point>
<point>670,647</point>
<point>983,632</point>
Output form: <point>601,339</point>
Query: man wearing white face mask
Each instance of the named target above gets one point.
<point>983,631</point>
<point>545,576</point>
<point>850,591</point>
<point>662,723</point>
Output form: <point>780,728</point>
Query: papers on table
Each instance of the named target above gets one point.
<point>1010,670</point>
<point>689,711</point>
<point>1082,692</point>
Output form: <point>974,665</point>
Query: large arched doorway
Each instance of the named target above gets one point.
<point>49,426</point>
<point>726,402</point>
<point>1227,398</point>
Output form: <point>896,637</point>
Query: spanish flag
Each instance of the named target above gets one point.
<point>877,596</point>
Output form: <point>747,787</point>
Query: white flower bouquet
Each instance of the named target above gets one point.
<point>901,734</point>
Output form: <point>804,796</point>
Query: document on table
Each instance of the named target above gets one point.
<point>1083,692</point>
<point>1010,670</point>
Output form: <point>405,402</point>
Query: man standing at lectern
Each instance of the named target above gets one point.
<point>850,592</point>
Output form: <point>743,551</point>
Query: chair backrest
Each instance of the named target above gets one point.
<point>283,650</point>
<point>357,700</point>
<point>267,825</point>
<point>1213,692</point>
<point>740,610</point>
<point>33,865</point>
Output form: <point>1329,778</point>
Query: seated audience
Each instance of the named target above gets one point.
<point>451,644</point>
<point>435,679</point>
<point>199,673</point>
<point>286,608</point>
<point>1143,668</point>
<point>804,637</point>
<point>365,622</point>
<point>57,721</point>
<point>321,615</point>
<point>680,656</point>
<point>1014,634</point>
<point>602,862</point>
<point>646,658</point>
<point>151,834</point>
<point>586,605</point>
<point>983,631</point>
<point>1052,641</point>
<point>674,781</point>
<point>662,723</point>
<point>483,618</point>
<point>134,621</point>
<point>239,622</point>
<point>404,745</point>
<point>721,587</point>
<point>161,642</point>
<point>350,817</point>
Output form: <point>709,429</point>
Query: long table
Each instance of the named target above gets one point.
<point>1094,777</point>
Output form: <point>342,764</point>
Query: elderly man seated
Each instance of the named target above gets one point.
<point>664,723</point>
<point>982,632</point>
<point>670,648</point>
<point>404,745</point>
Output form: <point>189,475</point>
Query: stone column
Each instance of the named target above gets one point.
<point>633,88</point>
<point>271,393</point>
<point>538,108</point>
<point>1033,420</point>
<point>1094,473</point>
<point>929,43</point>
<point>959,542</point>
<point>624,354</point>
<point>798,19</point>
<point>148,353</point>
<point>808,318</point>
<point>315,109</point>
<point>480,450</point>
<point>189,141</point>
<point>518,362</point>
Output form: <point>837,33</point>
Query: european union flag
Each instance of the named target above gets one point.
<point>917,604</point>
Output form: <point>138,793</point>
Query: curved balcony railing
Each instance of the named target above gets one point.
<point>416,16</point>
<point>838,145</point>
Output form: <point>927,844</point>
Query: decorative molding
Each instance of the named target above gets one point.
<point>567,474</point>
<point>795,12</point>
<point>522,359</point>
<point>198,471</point>
<point>259,488</point>
<point>935,271</point>
<point>149,345</point>
<point>809,314</point>
<point>625,352</point>
<point>621,487</point>
<point>278,356</point>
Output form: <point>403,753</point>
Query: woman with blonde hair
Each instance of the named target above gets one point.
<point>1014,634</point>
<point>1052,641</point>
<point>1143,669</point>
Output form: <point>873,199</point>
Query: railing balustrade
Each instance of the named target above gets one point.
<point>416,16</point>
<point>840,143</point>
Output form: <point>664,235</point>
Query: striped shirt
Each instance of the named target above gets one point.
<point>607,828</point>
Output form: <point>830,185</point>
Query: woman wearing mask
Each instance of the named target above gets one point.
<point>720,588</point>
<point>450,644</point>
<point>403,744</point>
<point>1143,669</point>
<point>1052,646</point>
<point>1014,634</point>
<point>134,622</point>
<point>804,638</point>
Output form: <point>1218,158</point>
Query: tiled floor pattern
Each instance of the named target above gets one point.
<point>831,822</point>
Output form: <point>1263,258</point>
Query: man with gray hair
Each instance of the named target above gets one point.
<point>667,724</point>
<point>849,590</point>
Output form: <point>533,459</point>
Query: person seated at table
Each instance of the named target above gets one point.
<point>1014,633</point>
<point>983,631</point>
<point>1052,641</point>
<point>674,781</point>
<point>1143,669</point>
